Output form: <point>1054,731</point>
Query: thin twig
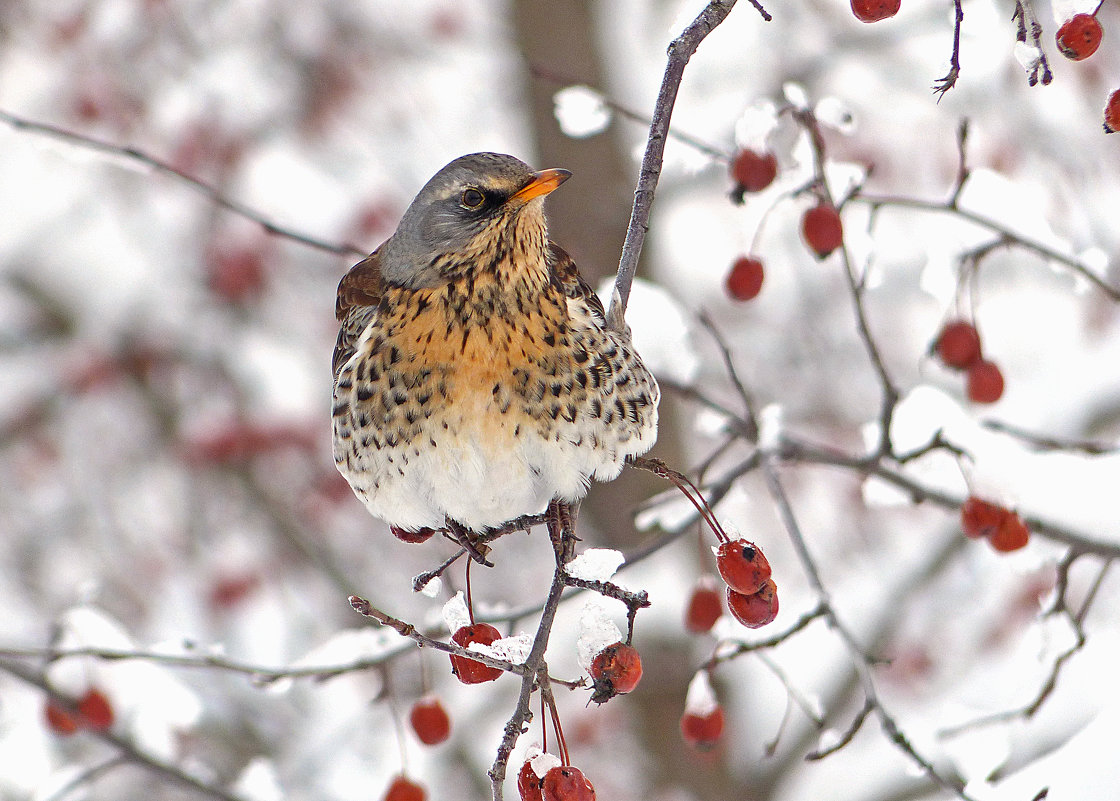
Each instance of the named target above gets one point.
<point>680,51</point>
<point>127,750</point>
<point>158,165</point>
<point>859,659</point>
<point>949,80</point>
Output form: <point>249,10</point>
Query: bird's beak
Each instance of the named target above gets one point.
<point>543,182</point>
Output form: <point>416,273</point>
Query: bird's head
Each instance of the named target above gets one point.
<point>468,210</point>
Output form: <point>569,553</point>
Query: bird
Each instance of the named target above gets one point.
<point>477,377</point>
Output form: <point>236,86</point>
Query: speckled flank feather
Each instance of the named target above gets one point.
<point>486,397</point>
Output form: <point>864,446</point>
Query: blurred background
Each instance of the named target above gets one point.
<point>166,483</point>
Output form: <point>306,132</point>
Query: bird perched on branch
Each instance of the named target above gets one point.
<point>477,378</point>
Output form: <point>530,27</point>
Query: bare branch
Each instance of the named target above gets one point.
<point>157,165</point>
<point>126,749</point>
<point>949,80</point>
<point>680,51</point>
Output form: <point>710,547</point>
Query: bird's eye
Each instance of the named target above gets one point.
<point>472,198</point>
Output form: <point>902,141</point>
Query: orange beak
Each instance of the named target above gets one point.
<point>543,182</point>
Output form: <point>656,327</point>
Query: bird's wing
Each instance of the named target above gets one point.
<point>359,293</point>
<point>572,282</point>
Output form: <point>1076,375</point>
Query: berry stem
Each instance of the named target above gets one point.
<point>687,488</point>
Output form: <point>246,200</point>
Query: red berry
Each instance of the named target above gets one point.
<point>430,721</point>
<point>874,10</point>
<point>753,172</point>
<point>95,710</point>
<point>1079,37</point>
<point>237,272</point>
<point>702,731</point>
<point>822,230</point>
<point>529,783</point>
<point>704,608</point>
<point>59,719</point>
<point>402,789</point>
<point>980,518</point>
<point>471,671</point>
<point>420,535</point>
<point>615,670</point>
<point>1112,113</point>
<point>1011,535</point>
<point>985,382</point>
<point>744,282</point>
<point>742,565</point>
<point>757,609</point>
<point>958,344</point>
<point>566,783</point>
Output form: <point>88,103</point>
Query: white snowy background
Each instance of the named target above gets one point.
<point>166,485</point>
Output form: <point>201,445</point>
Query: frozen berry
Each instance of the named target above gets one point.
<point>757,609</point>
<point>95,710</point>
<point>59,719</point>
<point>744,282</point>
<point>420,535</point>
<point>1112,113</point>
<point>742,565</point>
<point>566,783</point>
<point>704,608</point>
<point>1079,37</point>
<point>980,518</point>
<point>702,731</point>
<point>430,721</point>
<point>529,783</point>
<point>402,789</point>
<point>1011,535</point>
<point>471,671</point>
<point>753,172</point>
<point>958,344</point>
<point>615,670</point>
<point>985,382</point>
<point>874,10</point>
<point>822,230</point>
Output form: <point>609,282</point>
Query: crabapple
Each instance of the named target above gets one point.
<point>985,382</point>
<point>529,783</point>
<point>471,671</point>
<point>980,518</point>
<point>615,670</point>
<point>874,10</point>
<point>753,172</point>
<point>1011,534</point>
<point>744,282</point>
<point>822,229</point>
<point>743,566</point>
<point>402,789</point>
<point>1112,113</point>
<point>757,609</point>
<point>704,607</point>
<point>958,344</point>
<point>702,731</point>
<point>566,783</point>
<point>95,711</point>
<point>1079,36</point>
<point>430,721</point>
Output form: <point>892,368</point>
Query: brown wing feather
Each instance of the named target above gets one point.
<point>565,270</point>
<point>359,293</point>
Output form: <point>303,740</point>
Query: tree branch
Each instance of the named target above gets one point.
<point>680,51</point>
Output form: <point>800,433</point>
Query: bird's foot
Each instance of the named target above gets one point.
<point>469,541</point>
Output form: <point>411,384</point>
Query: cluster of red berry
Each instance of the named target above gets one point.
<point>752,595</point>
<point>1003,528</point>
<point>559,783</point>
<point>92,711</point>
<point>958,347</point>
<point>821,228</point>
